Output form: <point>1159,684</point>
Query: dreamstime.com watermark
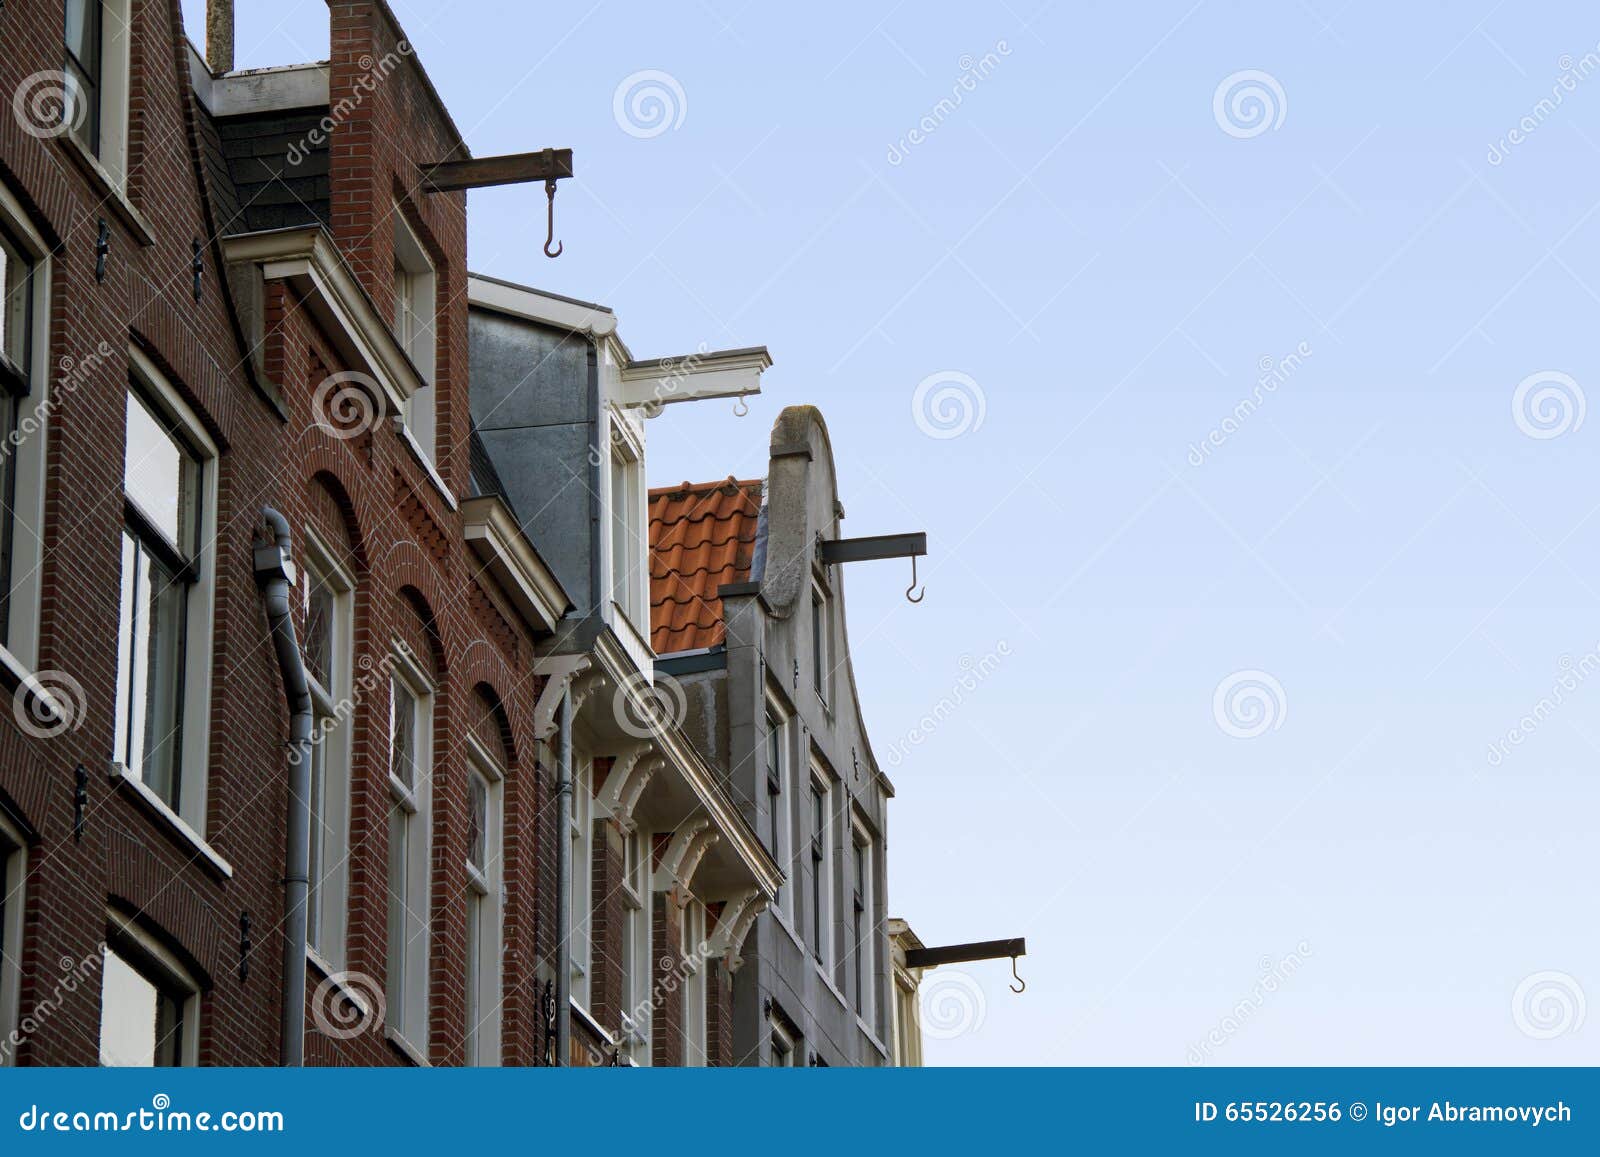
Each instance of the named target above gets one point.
<point>1248,704</point>
<point>974,673</point>
<point>160,1117</point>
<point>1274,373</point>
<point>73,973</point>
<point>1274,976</point>
<point>1547,1005</point>
<point>972,73</point>
<point>948,404</point>
<point>1248,103</point>
<point>648,103</point>
<point>1548,404</point>
<point>1571,674</point>
<point>374,675</point>
<point>952,1004</point>
<point>373,73</point>
<point>1573,73</point>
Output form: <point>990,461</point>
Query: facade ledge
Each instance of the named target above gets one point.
<point>171,820</point>
<point>492,531</point>
<point>110,189</point>
<point>305,256</point>
<point>405,1048</point>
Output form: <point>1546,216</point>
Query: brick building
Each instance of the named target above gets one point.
<point>230,294</point>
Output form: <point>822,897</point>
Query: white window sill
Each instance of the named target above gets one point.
<point>173,821</point>
<point>422,459</point>
<point>872,1037</point>
<point>330,970</point>
<point>111,190</point>
<point>14,672</point>
<point>593,1025</point>
<point>410,1051</point>
<point>827,980</point>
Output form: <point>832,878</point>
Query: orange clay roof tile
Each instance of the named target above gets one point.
<point>702,537</point>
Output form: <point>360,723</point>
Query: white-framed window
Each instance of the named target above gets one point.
<point>625,500</point>
<point>328,598</point>
<point>864,925</point>
<point>485,897</point>
<point>636,949</point>
<point>25,267</point>
<point>164,625</point>
<point>415,328</point>
<point>96,67</point>
<point>410,843</point>
<point>13,874</point>
<point>779,818</point>
<point>581,885</point>
<point>149,1003</point>
<point>694,985</point>
<point>786,1051</point>
<point>822,643</point>
<point>821,825</point>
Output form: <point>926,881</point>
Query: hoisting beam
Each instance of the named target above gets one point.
<point>481,172</point>
<point>962,953</point>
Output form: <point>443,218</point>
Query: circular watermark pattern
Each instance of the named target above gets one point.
<point>949,404</point>
<point>1549,1004</point>
<point>1249,103</point>
<point>48,104</point>
<point>346,404</point>
<point>48,704</point>
<point>348,1004</point>
<point>953,1005</point>
<point>648,103</point>
<point>644,709</point>
<point>1248,704</point>
<point>1548,404</point>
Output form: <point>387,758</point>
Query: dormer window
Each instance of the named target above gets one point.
<point>414,328</point>
<point>625,506</point>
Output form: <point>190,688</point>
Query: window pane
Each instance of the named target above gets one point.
<point>478,825</point>
<point>158,475</point>
<point>403,736</point>
<point>15,273</point>
<point>398,830</point>
<point>319,834</point>
<point>157,643</point>
<point>319,631</point>
<point>129,1007</point>
<point>475,904</point>
<point>82,33</point>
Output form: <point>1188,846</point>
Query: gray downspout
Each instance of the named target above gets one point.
<point>563,885</point>
<point>275,574</point>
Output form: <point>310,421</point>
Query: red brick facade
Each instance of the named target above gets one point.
<point>370,497</point>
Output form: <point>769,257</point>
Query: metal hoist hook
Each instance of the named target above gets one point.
<point>550,233</point>
<point>1021,985</point>
<point>740,407</point>
<point>912,594</point>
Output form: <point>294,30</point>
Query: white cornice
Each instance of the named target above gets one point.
<point>549,309</point>
<point>683,760</point>
<point>492,531</point>
<point>692,377</point>
<point>307,258</point>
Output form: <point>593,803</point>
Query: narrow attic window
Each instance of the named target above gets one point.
<point>414,329</point>
<point>95,73</point>
<point>625,501</point>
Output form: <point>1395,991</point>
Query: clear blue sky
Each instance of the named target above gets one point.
<point>1109,263</point>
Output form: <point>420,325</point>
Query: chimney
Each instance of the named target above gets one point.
<point>219,36</point>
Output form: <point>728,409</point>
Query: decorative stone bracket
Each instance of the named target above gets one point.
<point>688,847</point>
<point>559,673</point>
<point>630,774</point>
<point>734,925</point>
